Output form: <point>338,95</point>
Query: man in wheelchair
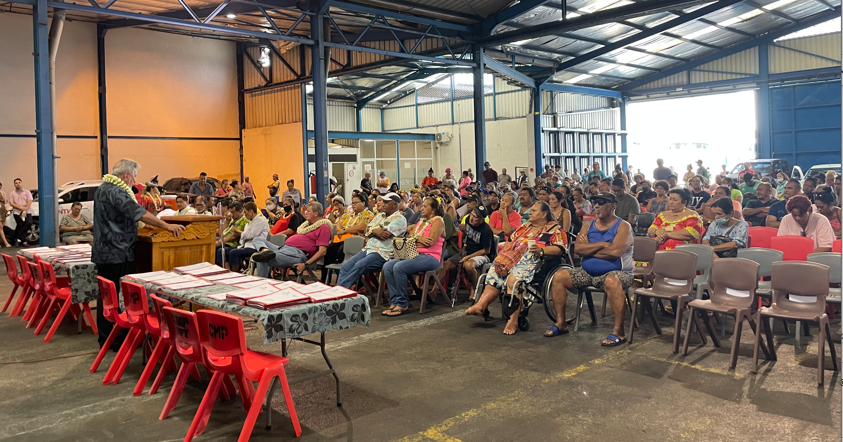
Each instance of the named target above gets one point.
<point>540,236</point>
<point>605,246</point>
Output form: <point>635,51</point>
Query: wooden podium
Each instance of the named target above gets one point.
<point>158,249</point>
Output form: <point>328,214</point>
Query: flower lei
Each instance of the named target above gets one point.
<point>306,227</point>
<point>109,178</point>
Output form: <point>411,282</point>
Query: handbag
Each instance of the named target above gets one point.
<point>723,239</point>
<point>405,248</point>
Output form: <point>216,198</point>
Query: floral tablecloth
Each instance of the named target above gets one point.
<point>83,277</point>
<point>285,323</point>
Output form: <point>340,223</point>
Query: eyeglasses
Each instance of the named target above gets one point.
<point>600,202</point>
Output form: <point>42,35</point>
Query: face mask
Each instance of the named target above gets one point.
<point>288,209</point>
<point>270,207</point>
<point>721,221</point>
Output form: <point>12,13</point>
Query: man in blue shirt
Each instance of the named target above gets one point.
<point>778,210</point>
<point>595,172</point>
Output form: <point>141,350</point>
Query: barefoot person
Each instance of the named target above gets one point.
<point>606,247</point>
<point>520,258</point>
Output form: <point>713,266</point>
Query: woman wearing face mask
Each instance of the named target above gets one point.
<point>289,221</point>
<point>726,226</point>
<point>272,212</point>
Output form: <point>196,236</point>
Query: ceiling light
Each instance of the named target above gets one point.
<point>264,60</point>
<point>231,16</point>
<point>578,78</point>
<point>382,97</point>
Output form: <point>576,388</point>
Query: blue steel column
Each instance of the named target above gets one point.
<point>479,114</point>
<point>538,136</point>
<point>43,125</point>
<point>307,190</point>
<point>764,148</point>
<point>622,102</point>
<point>320,105</point>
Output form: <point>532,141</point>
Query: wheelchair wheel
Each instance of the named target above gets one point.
<point>523,323</point>
<point>549,308</point>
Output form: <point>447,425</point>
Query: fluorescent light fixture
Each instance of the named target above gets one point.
<point>602,69</point>
<point>578,78</point>
<point>403,86</point>
<point>382,97</point>
<point>701,32</point>
<point>522,42</point>
<point>371,141</point>
<point>308,88</point>
<point>264,60</point>
<point>231,16</point>
<point>777,4</point>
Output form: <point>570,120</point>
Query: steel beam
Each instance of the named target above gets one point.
<point>479,114</point>
<point>241,101</point>
<point>101,99</point>
<point>319,69</point>
<point>613,15</point>
<point>399,16</point>
<point>538,134</point>
<point>488,25</point>
<point>581,90</point>
<point>43,125</point>
<point>763,123</point>
<point>622,103</point>
<point>507,71</point>
<point>649,32</point>
<point>452,61</point>
<point>764,39</point>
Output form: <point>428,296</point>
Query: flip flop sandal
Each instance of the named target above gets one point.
<point>384,313</point>
<point>398,312</point>
<point>616,341</point>
<point>555,331</point>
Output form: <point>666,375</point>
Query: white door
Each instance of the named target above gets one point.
<point>352,178</point>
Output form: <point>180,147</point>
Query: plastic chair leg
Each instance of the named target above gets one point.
<point>105,348</point>
<point>36,310</point>
<point>247,391</point>
<point>200,420</point>
<point>195,374</point>
<point>90,318</point>
<point>64,308</point>
<point>115,364</point>
<point>176,390</point>
<point>257,404</point>
<point>45,317</point>
<point>150,366</point>
<point>139,337</point>
<point>288,398</point>
<point>228,389</point>
<point>18,308</point>
<point>167,358</point>
<point>9,300</point>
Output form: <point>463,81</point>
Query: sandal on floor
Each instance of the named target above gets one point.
<point>384,313</point>
<point>616,341</point>
<point>554,331</point>
<point>397,311</point>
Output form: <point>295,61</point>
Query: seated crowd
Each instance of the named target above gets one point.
<point>508,226</point>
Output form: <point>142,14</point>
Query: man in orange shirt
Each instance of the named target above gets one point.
<point>429,180</point>
<point>505,220</point>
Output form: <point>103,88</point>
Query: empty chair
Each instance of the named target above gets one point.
<point>832,260</point>
<point>643,222</point>
<point>26,287</point>
<point>137,306</point>
<point>765,259</point>
<point>226,353</point>
<point>799,293</point>
<point>426,281</point>
<point>733,283</point>
<point>61,296</point>
<point>761,236</point>
<point>40,298</point>
<point>673,280</point>
<point>793,248</point>
<point>12,272</point>
<point>705,256</point>
<point>111,312</point>
<point>153,327</point>
<point>351,246</point>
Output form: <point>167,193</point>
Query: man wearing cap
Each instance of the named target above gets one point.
<point>383,183</point>
<point>494,200</point>
<point>606,247</point>
<point>306,247</point>
<point>522,178</point>
<point>388,224</point>
<point>429,181</point>
<point>702,171</point>
<point>627,206</point>
<point>478,242</point>
<point>471,202</point>
<point>489,175</point>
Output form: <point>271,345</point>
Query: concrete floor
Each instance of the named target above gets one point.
<point>444,377</point>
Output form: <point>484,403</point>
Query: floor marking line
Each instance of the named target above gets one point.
<point>439,436</point>
<point>729,373</point>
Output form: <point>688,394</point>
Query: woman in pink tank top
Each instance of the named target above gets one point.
<point>430,237</point>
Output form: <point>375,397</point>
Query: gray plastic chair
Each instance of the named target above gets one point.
<point>643,222</point>
<point>832,260</point>
<point>278,240</point>
<point>351,246</point>
<point>705,256</point>
<point>765,259</point>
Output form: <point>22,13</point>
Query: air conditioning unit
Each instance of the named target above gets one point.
<point>443,137</point>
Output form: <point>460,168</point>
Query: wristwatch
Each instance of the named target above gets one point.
<point>541,253</point>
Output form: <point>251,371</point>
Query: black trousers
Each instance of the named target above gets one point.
<point>113,273</point>
<point>22,226</point>
<point>334,255</point>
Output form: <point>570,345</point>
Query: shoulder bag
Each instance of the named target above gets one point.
<point>724,239</point>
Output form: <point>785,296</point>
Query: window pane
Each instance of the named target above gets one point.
<point>389,168</point>
<point>424,150</point>
<point>385,149</point>
<point>367,149</point>
<point>407,149</point>
<point>408,177</point>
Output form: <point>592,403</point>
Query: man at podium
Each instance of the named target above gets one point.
<point>116,220</point>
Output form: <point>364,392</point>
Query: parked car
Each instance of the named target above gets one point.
<point>68,193</point>
<point>182,184</point>
<point>768,168</point>
<point>822,169</point>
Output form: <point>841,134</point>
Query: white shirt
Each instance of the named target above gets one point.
<point>187,211</point>
<point>257,228</point>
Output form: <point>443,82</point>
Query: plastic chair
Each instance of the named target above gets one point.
<point>137,306</point>
<point>40,298</point>
<point>835,246</point>
<point>765,259</point>
<point>26,286</point>
<point>643,222</point>
<point>12,272</point>
<point>793,248</point>
<point>60,295</point>
<point>733,284</point>
<point>761,236</point>
<point>832,260</point>
<point>674,273</point>
<point>111,312</point>
<point>154,328</point>
<point>351,246</point>
<point>799,293</point>
<point>226,353</point>
<point>705,256</point>
<point>278,240</point>
<point>426,281</point>
<point>643,250</point>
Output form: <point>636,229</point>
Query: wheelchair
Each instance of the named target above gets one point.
<point>536,291</point>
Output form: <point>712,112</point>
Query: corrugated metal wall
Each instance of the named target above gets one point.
<point>372,119</point>
<point>273,107</point>
<point>565,102</point>
<point>342,115</point>
<point>786,60</point>
<point>608,119</point>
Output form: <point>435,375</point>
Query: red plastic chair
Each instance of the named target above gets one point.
<point>793,248</point>
<point>835,247</point>
<point>61,295</point>
<point>26,284</point>
<point>761,236</point>
<point>111,312</point>
<point>137,307</point>
<point>183,331</point>
<point>41,298</point>
<point>12,272</point>
<point>224,341</point>
<point>155,327</point>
